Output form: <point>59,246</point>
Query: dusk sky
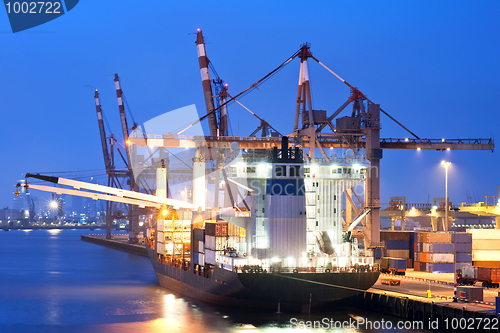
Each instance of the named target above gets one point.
<point>434,66</point>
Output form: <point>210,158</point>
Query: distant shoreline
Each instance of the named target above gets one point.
<point>56,227</point>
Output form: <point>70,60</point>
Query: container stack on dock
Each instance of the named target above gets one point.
<point>398,244</point>
<point>485,247</point>
<point>434,251</point>
<point>463,249</point>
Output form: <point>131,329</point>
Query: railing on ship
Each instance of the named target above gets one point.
<point>333,269</point>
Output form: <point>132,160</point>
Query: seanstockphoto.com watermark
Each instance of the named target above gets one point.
<point>483,324</point>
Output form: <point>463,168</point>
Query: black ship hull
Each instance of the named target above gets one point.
<point>262,290</point>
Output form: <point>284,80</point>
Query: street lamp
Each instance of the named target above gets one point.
<point>446,165</point>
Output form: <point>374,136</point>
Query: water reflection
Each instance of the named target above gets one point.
<point>66,285</point>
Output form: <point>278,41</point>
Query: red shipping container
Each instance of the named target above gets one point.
<point>483,273</point>
<point>495,275</point>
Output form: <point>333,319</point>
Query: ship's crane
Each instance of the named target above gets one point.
<point>347,235</point>
<point>117,178</point>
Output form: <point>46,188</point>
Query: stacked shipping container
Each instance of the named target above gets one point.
<point>398,244</point>
<point>485,247</point>
<point>434,251</point>
<point>219,236</point>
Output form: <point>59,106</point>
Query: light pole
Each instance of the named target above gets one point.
<point>446,208</point>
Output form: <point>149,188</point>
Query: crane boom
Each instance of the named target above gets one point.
<point>358,219</point>
<point>146,199</point>
<point>102,132</point>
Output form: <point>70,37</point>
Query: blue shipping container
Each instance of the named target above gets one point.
<point>463,247</point>
<point>396,263</point>
<point>464,257</point>
<point>413,238</point>
<point>377,253</point>
<point>461,237</point>
<point>397,245</point>
<point>442,248</point>
<point>441,268</point>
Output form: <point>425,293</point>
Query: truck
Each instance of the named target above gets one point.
<point>395,266</point>
<point>470,275</point>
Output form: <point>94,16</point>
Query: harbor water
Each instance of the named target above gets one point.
<point>51,281</point>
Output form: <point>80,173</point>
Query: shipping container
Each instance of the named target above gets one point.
<point>397,245</point>
<point>464,257</point>
<point>483,273</point>
<point>485,255</point>
<point>440,268</point>
<point>199,234</point>
<point>462,265</point>
<point>397,264</point>
<point>469,272</point>
<point>484,234</point>
<point>426,247</point>
<point>486,244</point>
<point>199,259</point>
<point>159,248</point>
<point>416,266</point>
<point>221,229</point>
<point>412,238</point>
<point>463,247</point>
<point>461,237</point>
<point>441,248</point>
<point>210,242</point>
<point>438,237</point>
<point>159,237</point>
<point>395,235</point>
<point>377,253</point>
<point>441,258</point>
<point>198,246</point>
<point>210,257</point>
<point>210,229</point>
<point>404,254</point>
<point>495,275</point>
<point>495,264</point>
<point>424,257</point>
<point>470,293</point>
<point>409,263</point>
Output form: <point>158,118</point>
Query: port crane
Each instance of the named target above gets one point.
<point>359,130</point>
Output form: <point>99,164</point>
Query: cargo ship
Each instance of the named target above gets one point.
<point>283,242</point>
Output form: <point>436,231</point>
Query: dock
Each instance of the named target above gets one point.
<point>119,242</point>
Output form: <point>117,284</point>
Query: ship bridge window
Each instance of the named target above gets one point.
<point>307,170</point>
<point>281,171</point>
<point>294,170</point>
<point>251,169</point>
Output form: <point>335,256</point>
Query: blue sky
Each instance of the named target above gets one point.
<point>431,65</point>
